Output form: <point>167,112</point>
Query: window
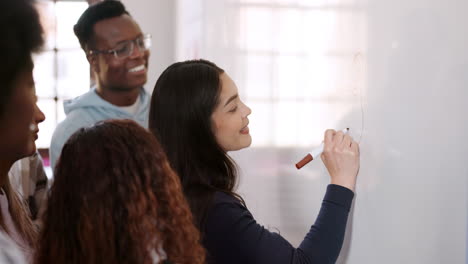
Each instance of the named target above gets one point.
<point>299,64</point>
<point>61,71</point>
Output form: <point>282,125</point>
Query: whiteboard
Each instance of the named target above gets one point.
<point>402,91</point>
<point>411,196</point>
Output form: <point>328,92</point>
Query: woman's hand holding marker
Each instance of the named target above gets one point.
<point>341,157</point>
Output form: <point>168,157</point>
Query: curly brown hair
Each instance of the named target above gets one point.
<point>115,199</point>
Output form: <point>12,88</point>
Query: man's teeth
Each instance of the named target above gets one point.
<point>137,68</point>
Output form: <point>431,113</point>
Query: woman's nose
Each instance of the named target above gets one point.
<point>39,116</point>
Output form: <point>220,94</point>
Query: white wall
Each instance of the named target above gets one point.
<point>412,201</point>
<point>411,198</point>
<point>157,18</point>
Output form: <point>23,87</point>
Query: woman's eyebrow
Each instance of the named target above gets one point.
<point>231,98</point>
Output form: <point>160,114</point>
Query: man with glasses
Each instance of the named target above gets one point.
<point>118,53</point>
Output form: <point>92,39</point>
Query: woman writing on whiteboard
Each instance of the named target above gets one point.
<point>198,116</point>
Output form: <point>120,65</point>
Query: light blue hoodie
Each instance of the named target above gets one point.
<point>88,109</point>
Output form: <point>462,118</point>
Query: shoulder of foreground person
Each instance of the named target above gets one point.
<point>9,251</point>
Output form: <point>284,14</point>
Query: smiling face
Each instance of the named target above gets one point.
<point>20,119</point>
<point>230,118</point>
<point>118,74</point>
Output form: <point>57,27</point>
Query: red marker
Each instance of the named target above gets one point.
<point>314,154</point>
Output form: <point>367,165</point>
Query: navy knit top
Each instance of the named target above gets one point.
<point>231,234</point>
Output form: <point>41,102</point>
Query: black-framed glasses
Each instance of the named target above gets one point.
<point>125,49</point>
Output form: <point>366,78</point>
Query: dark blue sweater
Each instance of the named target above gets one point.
<point>232,235</point>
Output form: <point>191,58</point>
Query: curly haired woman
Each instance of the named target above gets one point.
<point>115,199</point>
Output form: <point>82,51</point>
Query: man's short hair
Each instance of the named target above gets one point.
<point>21,34</point>
<point>84,28</point>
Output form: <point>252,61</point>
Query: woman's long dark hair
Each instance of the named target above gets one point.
<point>183,101</point>
<point>115,199</point>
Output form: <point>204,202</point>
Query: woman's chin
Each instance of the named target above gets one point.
<point>31,150</point>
